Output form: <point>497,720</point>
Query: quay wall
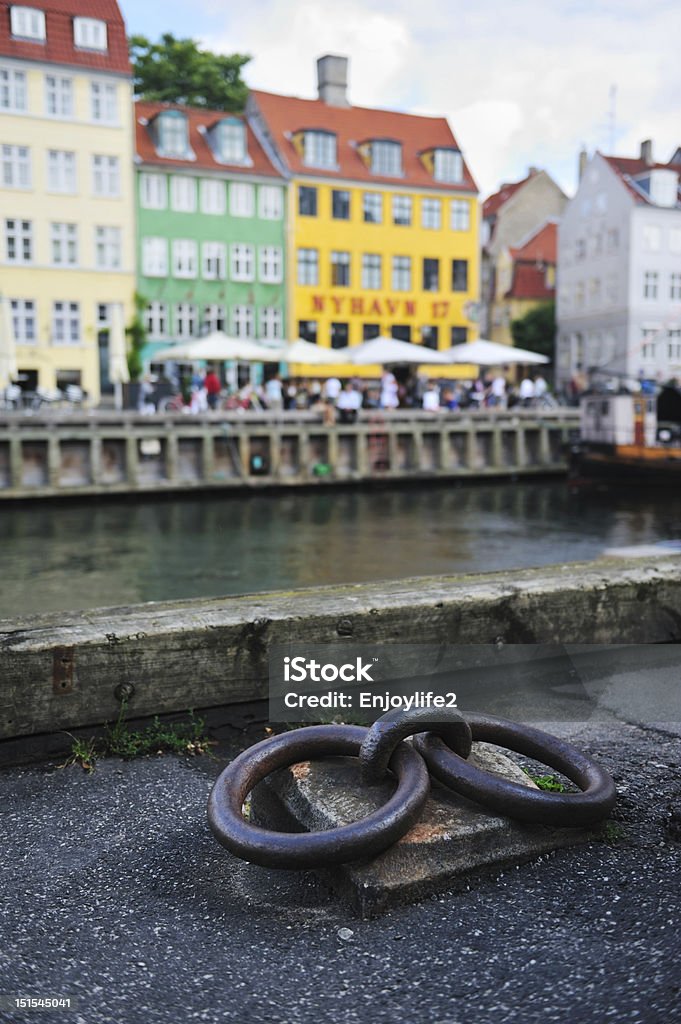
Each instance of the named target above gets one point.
<point>97,454</point>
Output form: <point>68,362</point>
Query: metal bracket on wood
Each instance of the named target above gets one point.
<point>63,663</point>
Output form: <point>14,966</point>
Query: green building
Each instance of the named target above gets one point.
<point>211,225</point>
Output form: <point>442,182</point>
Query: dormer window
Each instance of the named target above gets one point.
<point>386,158</point>
<point>447,165</point>
<point>320,149</point>
<point>28,23</point>
<point>90,34</point>
<point>172,138</point>
<point>228,138</point>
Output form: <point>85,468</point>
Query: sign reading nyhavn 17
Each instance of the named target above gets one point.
<point>359,305</point>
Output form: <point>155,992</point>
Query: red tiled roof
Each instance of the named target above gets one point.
<point>631,167</point>
<point>58,47</point>
<point>492,204</point>
<point>529,282</point>
<point>146,151</point>
<point>541,247</point>
<point>285,115</point>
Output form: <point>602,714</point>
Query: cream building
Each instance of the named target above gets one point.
<point>67,227</point>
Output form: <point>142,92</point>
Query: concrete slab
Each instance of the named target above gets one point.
<point>454,837</point>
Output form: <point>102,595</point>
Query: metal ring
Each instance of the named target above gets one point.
<point>365,838</point>
<point>391,728</point>
<point>510,798</point>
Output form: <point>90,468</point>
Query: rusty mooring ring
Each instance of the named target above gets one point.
<point>594,802</point>
<point>364,838</point>
<point>391,728</point>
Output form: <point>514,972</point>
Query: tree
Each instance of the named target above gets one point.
<point>137,335</point>
<point>536,330</point>
<point>177,71</point>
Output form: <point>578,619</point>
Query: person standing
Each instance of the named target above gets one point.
<point>274,395</point>
<point>389,391</point>
<point>498,391</point>
<point>331,390</point>
<point>431,397</point>
<point>211,383</point>
<point>348,403</point>
<point>526,392</point>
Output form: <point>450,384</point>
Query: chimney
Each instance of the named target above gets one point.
<point>647,151</point>
<point>332,80</point>
<point>582,163</point>
<point>532,170</point>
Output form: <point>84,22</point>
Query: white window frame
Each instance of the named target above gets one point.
<point>270,202</point>
<point>183,193</point>
<point>185,258</point>
<point>16,166</point>
<point>62,175</point>
<point>19,237</point>
<point>172,126</point>
<point>65,324</point>
<point>376,202</point>
<point>185,320</point>
<point>243,321</point>
<point>154,256</point>
<point>447,165</point>
<point>242,262</point>
<point>341,258</point>
<point>156,319</point>
<point>241,199</point>
<point>27,23</point>
<point>153,191</point>
<point>232,141</point>
<point>675,286</point>
<point>651,285</point>
<point>13,91</point>
<point>213,196</point>
<point>108,247</point>
<point>372,271</point>
<point>58,96</point>
<point>386,158</point>
<point>90,34</point>
<point>307,267</point>
<point>24,312</point>
<point>214,317</point>
<point>431,213</point>
<point>106,176</point>
<point>63,244</point>
<point>103,102</point>
<point>460,215</point>
<point>402,204</point>
<point>401,274</point>
<point>320,149</point>
<point>214,261</point>
<point>271,264</point>
<point>271,323</point>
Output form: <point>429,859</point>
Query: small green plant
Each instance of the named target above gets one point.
<point>610,832</point>
<point>83,753</point>
<point>551,783</point>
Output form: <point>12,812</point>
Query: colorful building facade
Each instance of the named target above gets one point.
<point>211,228</point>
<point>383,220</point>
<point>525,278</point>
<point>67,252</point>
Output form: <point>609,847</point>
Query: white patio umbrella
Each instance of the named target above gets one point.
<point>118,358</point>
<point>389,352</point>
<point>490,353</point>
<point>8,351</point>
<point>220,347</point>
<point>300,351</point>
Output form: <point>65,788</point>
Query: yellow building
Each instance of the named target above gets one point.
<point>66,188</point>
<point>383,221</point>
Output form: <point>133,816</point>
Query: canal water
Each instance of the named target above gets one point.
<point>55,557</point>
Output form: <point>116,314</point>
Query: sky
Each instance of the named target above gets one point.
<point>522,83</point>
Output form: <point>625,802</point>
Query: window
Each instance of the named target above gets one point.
<point>230,135</point>
<point>89,34</point>
<point>401,281</point>
<point>107,248</point>
<point>64,244</point>
<point>594,291</point>
<point>154,257</point>
<point>153,191</point>
<point>340,204</point>
<point>213,197</point>
<point>386,158</point>
<point>579,295</point>
<point>185,320</point>
<point>243,321</point>
<point>371,270</point>
<point>18,241</point>
<point>308,266</point>
<point>370,331</point>
<point>28,23</point>
<point>103,102</point>
<point>674,345</point>
<point>270,202</point>
<point>214,318</point>
<point>214,261</point>
<point>675,287</point>
<point>307,330</point>
<point>184,257</point>
<point>320,149</point>
<point>106,179</point>
<point>16,166</point>
<point>431,213</point>
<point>650,283</point>
<point>13,90</point>
<point>648,346</point>
<point>459,275</point>
<point>402,210</point>
<point>171,135</point>
<point>652,238</point>
<point>459,335</point>
<point>613,239</point>
<point>340,335</point>
<point>372,207</point>
<point>156,320</point>
<point>460,215</point>
<point>241,199</point>
<point>340,269</point>
<point>270,264</point>
<point>182,194</point>
<point>65,323</point>
<point>429,337</point>
<point>271,323</point>
<point>243,262</point>
<point>401,332</point>
<point>431,275</point>
<point>307,201</point>
<point>447,165</point>
<point>24,321</point>
<point>580,249</point>
<point>61,171</point>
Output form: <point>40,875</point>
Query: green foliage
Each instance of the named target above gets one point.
<point>137,335</point>
<point>536,330</point>
<point>83,752</point>
<point>550,783</point>
<point>177,71</point>
<point>610,832</point>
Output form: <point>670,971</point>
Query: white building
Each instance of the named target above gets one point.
<point>619,270</point>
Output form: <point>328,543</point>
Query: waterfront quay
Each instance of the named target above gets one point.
<point>100,453</point>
